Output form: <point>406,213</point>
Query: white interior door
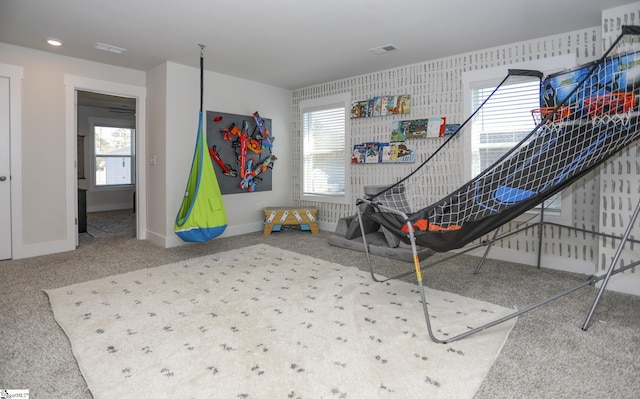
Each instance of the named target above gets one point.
<point>5,172</point>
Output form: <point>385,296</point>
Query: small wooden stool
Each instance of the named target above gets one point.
<point>288,215</point>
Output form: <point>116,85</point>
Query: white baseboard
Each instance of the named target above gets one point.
<point>156,239</point>
<point>47,248</point>
<point>232,231</point>
<point>625,283</point>
<point>548,262</point>
<point>324,226</point>
<point>174,241</point>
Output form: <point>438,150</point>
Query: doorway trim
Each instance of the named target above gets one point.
<point>15,75</point>
<point>72,84</point>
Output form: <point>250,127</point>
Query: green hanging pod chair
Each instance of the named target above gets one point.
<point>202,216</point>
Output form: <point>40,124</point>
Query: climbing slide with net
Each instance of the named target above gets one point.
<point>586,116</point>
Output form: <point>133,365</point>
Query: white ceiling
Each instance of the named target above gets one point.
<point>287,43</point>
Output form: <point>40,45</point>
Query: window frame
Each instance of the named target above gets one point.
<point>342,100</point>
<point>493,76</point>
<point>119,124</point>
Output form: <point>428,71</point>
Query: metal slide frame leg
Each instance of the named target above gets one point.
<point>616,257</point>
<point>495,238</point>
<point>423,298</point>
<point>540,235</point>
<point>487,243</point>
<point>589,281</point>
<point>366,245</point>
<point>486,251</point>
<point>366,249</point>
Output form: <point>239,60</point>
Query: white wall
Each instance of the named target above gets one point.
<point>179,128</point>
<point>620,181</point>
<point>436,90</point>
<point>156,150</point>
<point>173,100</point>
<point>45,156</point>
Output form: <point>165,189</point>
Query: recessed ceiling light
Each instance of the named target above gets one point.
<point>383,49</point>
<point>55,42</point>
<point>110,48</point>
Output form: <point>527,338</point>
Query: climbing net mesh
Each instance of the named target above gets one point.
<point>584,116</point>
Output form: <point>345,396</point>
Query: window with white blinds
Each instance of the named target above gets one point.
<point>503,121</point>
<point>506,118</point>
<point>324,150</point>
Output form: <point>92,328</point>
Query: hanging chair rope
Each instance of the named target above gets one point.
<point>202,215</point>
<point>202,46</point>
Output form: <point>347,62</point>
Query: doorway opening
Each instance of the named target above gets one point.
<point>106,165</point>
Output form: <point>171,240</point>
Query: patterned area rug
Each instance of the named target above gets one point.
<point>263,322</point>
<point>111,223</point>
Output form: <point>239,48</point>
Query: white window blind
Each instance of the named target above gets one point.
<point>324,151</point>
<point>503,121</point>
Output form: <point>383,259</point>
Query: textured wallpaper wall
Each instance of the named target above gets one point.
<point>619,190</point>
<point>436,90</point>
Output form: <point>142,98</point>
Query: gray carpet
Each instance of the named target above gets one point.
<point>547,354</point>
